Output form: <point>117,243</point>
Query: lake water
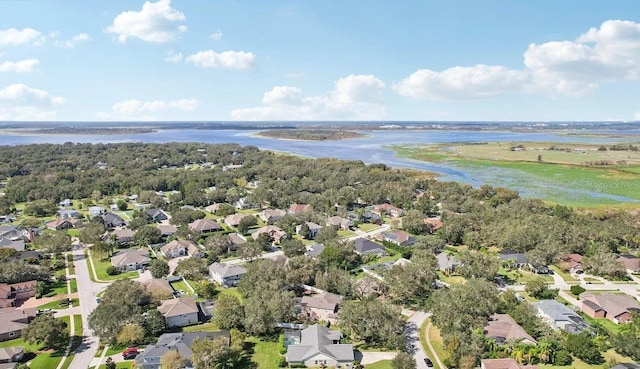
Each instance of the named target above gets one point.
<point>371,150</point>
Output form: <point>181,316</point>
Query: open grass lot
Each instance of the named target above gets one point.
<point>384,364</point>
<point>368,227</point>
<point>556,169</point>
<point>265,353</point>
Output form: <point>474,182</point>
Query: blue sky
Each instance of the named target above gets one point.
<point>319,60</point>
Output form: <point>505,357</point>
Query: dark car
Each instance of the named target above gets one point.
<point>428,362</point>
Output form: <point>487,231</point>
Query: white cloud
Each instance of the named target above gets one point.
<point>606,54</point>
<point>142,110</point>
<point>73,41</point>
<point>356,97</point>
<point>216,36</point>
<point>14,36</point>
<point>156,22</point>
<point>22,66</point>
<point>21,102</point>
<point>238,60</point>
<point>173,57</point>
<point>462,83</point>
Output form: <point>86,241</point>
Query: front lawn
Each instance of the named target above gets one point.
<point>368,227</point>
<point>344,233</point>
<point>564,274</point>
<point>74,285</point>
<point>121,365</point>
<point>44,360</point>
<point>384,364</point>
<point>56,288</point>
<point>101,270</point>
<point>604,322</point>
<point>56,304</point>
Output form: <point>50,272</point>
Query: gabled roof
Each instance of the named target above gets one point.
<point>318,339</point>
<point>446,261</point>
<point>630,262</point>
<point>363,245</point>
<point>177,307</point>
<point>167,229</point>
<point>518,257</point>
<point>204,225</point>
<point>130,256</point>
<point>613,304</point>
<point>157,284</point>
<point>155,213</point>
<point>7,243</point>
<point>237,239</point>
<point>397,236</point>
<point>324,301</point>
<point>315,250</point>
<point>234,219</point>
<point>190,246</point>
<point>503,327</point>
<point>299,208</point>
<point>226,270</point>
<point>504,364</point>
<point>112,218</point>
<point>180,342</point>
<point>7,353</point>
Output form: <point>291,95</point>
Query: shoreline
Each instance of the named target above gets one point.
<point>259,135</point>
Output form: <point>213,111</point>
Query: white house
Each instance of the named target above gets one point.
<point>226,274</point>
<point>179,312</point>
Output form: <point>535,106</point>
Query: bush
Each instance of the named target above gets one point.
<point>281,362</point>
<point>576,290</point>
<point>111,270</point>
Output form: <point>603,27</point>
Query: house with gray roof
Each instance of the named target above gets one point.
<point>181,342</point>
<point>314,250</point>
<point>227,275</point>
<point>447,263</point>
<point>366,247</point>
<point>560,317</point>
<point>627,366</point>
<point>317,346</point>
<point>131,259</point>
<point>156,215</point>
<point>6,243</point>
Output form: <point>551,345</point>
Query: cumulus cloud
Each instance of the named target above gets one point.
<point>143,110</point>
<point>72,42</point>
<point>605,54</point>
<point>216,36</point>
<point>356,97</point>
<point>14,36</point>
<point>21,102</point>
<point>22,66</point>
<point>156,22</point>
<point>173,57</point>
<point>238,60</point>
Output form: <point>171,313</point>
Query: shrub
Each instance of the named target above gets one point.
<point>111,270</point>
<point>281,362</point>
<point>576,290</point>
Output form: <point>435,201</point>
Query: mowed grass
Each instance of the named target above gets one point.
<point>368,227</point>
<point>579,364</point>
<point>231,291</point>
<point>101,266</point>
<point>181,286</point>
<point>384,364</point>
<point>265,353</point>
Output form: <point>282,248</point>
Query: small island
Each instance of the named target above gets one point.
<point>311,134</point>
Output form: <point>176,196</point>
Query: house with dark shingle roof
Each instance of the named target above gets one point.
<point>314,250</point>
<point>181,342</point>
<point>320,346</point>
<point>156,215</point>
<point>365,247</point>
<point>112,220</point>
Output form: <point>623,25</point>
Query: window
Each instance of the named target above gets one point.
<point>12,334</point>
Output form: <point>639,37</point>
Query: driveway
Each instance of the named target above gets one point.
<point>412,332</point>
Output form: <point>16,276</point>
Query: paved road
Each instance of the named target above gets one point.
<point>87,294</point>
<point>412,331</point>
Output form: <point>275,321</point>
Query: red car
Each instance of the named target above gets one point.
<point>130,353</point>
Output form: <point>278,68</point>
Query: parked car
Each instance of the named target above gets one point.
<point>130,353</point>
<point>428,362</point>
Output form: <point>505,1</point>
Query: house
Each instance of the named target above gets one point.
<point>514,260</point>
<point>131,259</point>
<point>14,292</point>
<point>388,209</point>
<point>572,263</point>
<point>447,263</point>
<point>243,204</point>
<point>66,202</point>
<point>275,233</point>
<point>313,229</point>
<point>177,248</point>
<point>627,366</point>
<point>167,230</point>
<point>502,328</point>
<point>320,307</point>
<point>371,217</point>
<point>68,213</point>
<point>6,243</point>
<point>233,220</point>
<point>96,211</point>
<point>11,354</point>
<point>560,317</point>
<point>13,321</point>
<point>630,262</point>
<point>64,223</point>
<point>112,220</point>
<point>504,364</point>
<point>320,346</point>
<point>156,215</point>
<point>121,236</point>
<point>272,215</point>
<point>314,250</point>
<point>204,226</point>
<point>213,208</point>
<point>181,342</point>
<point>340,223</point>
<point>31,255</point>
<point>433,223</point>
<point>400,238</point>
<point>237,240</point>
<point>158,287</point>
<point>179,312</point>
<point>141,207</point>
<point>227,275</point>
<point>365,247</point>
<point>297,209</point>
<point>617,308</point>
<point>114,207</point>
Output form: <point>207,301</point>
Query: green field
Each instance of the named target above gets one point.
<point>101,270</point>
<point>549,179</point>
<point>384,364</point>
<point>56,305</point>
<point>74,285</point>
<point>265,353</point>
